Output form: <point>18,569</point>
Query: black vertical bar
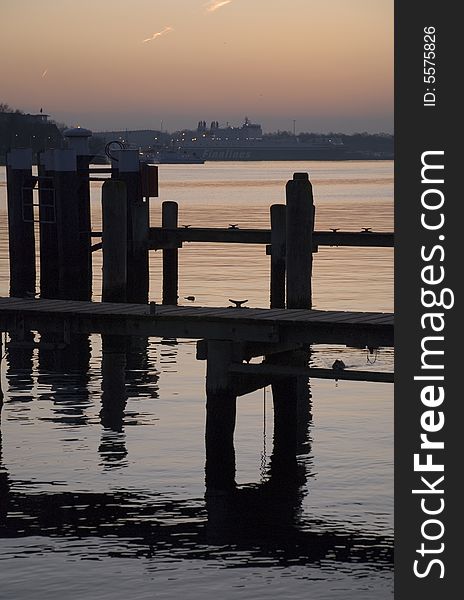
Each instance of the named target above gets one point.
<point>299,241</point>
<point>170,255</point>
<point>278,229</point>
<point>48,235</point>
<point>21,223</point>
<point>85,227</point>
<point>67,216</point>
<point>428,268</point>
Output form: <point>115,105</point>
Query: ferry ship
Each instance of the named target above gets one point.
<point>247,143</point>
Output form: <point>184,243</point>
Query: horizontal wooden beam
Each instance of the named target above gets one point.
<point>267,370</point>
<point>161,238</point>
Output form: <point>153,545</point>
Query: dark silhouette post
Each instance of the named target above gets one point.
<point>299,243</point>
<point>114,241</point>
<point>127,169</point>
<point>48,231</point>
<point>21,222</point>
<point>67,217</point>
<point>170,212</point>
<point>78,140</point>
<point>278,235</point>
<point>220,419</point>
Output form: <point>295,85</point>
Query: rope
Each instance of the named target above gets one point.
<point>264,452</point>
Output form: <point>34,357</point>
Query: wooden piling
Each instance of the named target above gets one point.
<point>138,223</point>
<point>299,241</point>
<point>65,180</point>
<point>114,241</point>
<point>220,418</point>
<point>170,256</point>
<point>278,235</point>
<point>77,139</point>
<point>21,223</point>
<point>48,232</point>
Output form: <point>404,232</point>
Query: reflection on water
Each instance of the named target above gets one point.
<point>263,525</point>
<point>102,455</point>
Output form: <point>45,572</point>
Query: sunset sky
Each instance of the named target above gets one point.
<point>117,64</point>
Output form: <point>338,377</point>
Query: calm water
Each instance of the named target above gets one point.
<point>98,504</point>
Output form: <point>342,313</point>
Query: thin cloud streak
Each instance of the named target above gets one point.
<point>216,4</point>
<point>158,34</point>
<point>44,73</point>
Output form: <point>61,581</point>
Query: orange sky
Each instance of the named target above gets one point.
<point>105,64</point>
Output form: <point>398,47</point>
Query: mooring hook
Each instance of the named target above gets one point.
<point>238,303</point>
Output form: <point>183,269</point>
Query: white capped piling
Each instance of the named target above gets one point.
<point>278,235</point>
<point>127,169</point>
<point>299,242</point>
<point>114,241</point>
<point>21,222</point>
<point>78,139</point>
<point>170,216</point>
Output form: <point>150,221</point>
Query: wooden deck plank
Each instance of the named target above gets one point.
<point>196,321</point>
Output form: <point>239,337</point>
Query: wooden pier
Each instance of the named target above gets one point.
<point>272,326</point>
<point>228,336</point>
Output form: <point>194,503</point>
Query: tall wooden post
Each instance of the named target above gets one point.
<point>114,217</point>
<point>78,140</point>
<point>220,418</point>
<point>21,222</point>
<point>48,231</point>
<point>138,224</point>
<point>299,243</point>
<point>67,217</point>
<point>170,212</point>
<point>278,234</point>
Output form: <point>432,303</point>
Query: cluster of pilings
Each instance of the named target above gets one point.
<point>58,198</point>
<point>291,248</point>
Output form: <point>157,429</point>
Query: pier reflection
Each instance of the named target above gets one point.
<point>19,353</point>
<point>266,511</point>
<point>261,521</point>
<point>112,446</point>
<point>4,485</point>
<point>63,374</point>
<point>254,522</point>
